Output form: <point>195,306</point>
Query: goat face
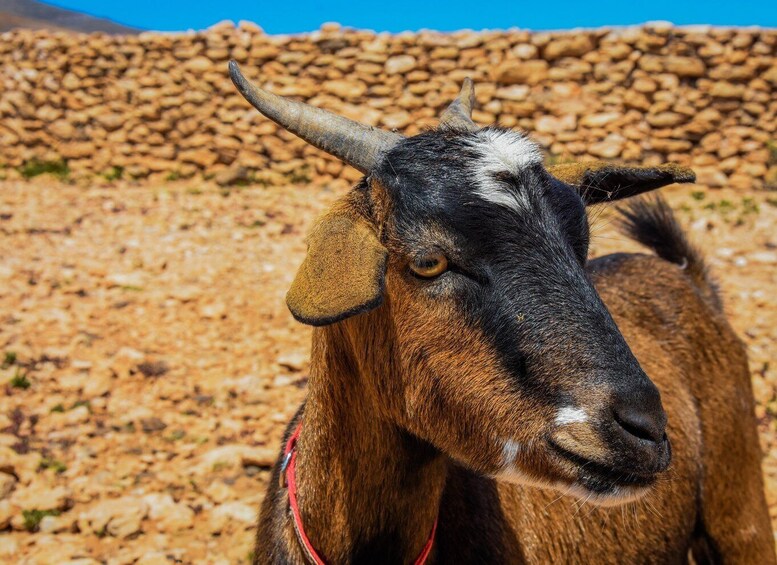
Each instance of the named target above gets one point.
<point>465,257</point>
<point>510,362</point>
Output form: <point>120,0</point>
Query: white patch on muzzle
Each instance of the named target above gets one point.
<point>570,415</point>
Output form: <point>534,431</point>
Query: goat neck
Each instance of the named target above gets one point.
<point>366,489</point>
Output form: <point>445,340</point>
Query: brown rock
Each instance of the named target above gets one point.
<point>400,64</point>
<point>151,425</point>
<point>7,484</point>
<point>770,75</point>
<point>727,90</point>
<point>120,517</point>
<point>62,129</point>
<point>235,456</point>
<point>570,45</point>
<point>347,89</point>
<point>665,119</point>
<point>38,496</point>
<point>203,158</point>
<point>168,515</point>
<point>710,177</point>
<point>521,72</point>
<point>6,514</point>
<point>232,512</point>
<point>198,64</point>
<point>396,120</point>
<point>686,67</point>
<point>599,120</point>
<point>231,175</point>
<point>609,148</point>
<point>551,124</point>
<point>111,122</point>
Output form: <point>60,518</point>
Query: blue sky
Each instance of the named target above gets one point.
<point>292,16</point>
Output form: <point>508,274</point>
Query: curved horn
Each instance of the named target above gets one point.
<point>458,114</point>
<point>358,145</point>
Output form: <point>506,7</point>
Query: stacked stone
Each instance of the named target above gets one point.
<point>163,105</point>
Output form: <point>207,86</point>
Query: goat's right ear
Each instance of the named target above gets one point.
<point>344,271</point>
<point>602,181</point>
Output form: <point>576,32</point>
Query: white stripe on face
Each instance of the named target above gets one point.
<point>503,152</point>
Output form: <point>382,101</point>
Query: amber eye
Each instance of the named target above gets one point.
<point>429,266</point>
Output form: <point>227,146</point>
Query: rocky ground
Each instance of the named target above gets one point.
<point>149,362</point>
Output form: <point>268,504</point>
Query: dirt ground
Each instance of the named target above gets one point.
<point>149,363</point>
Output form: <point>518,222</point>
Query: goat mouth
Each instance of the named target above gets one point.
<point>604,480</point>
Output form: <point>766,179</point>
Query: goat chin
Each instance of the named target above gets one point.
<point>618,496</point>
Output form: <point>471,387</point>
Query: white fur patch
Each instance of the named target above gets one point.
<point>570,415</point>
<point>503,151</point>
<point>509,452</point>
<point>510,471</point>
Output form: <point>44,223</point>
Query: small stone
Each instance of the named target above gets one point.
<point>98,384</point>
<point>130,280</point>
<point>400,64</point>
<point>685,66</point>
<point>293,360</point>
<point>120,517</point>
<point>37,496</point>
<point>236,455</point>
<point>231,512</point>
<point>6,513</point>
<point>198,64</point>
<point>153,558</point>
<point>169,515</point>
<point>345,89</point>
<point>609,148</point>
<point>203,157</point>
<point>521,72</point>
<point>56,524</point>
<point>220,492</point>
<point>396,120</point>
<point>524,51</point>
<point>570,45</point>
<point>231,175</point>
<point>710,177</point>
<point>7,484</point>
<point>184,293</point>
<point>516,92</point>
<point>665,119</point>
<point>153,368</point>
<point>727,90</point>
<point>8,546</point>
<point>765,257</point>
<point>151,425</point>
<point>552,124</point>
<point>599,120</point>
<point>214,310</point>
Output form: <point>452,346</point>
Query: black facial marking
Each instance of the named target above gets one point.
<point>515,272</point>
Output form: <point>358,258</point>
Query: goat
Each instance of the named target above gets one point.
<point>470,366</point>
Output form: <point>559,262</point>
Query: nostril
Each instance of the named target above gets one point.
<point>641,424</point>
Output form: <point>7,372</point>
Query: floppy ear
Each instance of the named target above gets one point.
<point>600,181</point>
<point>343,273</point>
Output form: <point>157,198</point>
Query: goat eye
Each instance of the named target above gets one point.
<point>429,266</point>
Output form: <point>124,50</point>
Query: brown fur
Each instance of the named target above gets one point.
<point>370,488</point>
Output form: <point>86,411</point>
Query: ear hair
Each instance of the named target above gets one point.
<point>344,271</point>
<point>600,181</point>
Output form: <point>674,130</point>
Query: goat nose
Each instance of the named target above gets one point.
<point>642,416</point>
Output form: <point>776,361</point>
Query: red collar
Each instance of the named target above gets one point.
<point>289,480</point>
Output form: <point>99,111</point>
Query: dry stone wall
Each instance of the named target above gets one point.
<point>163,105</point>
